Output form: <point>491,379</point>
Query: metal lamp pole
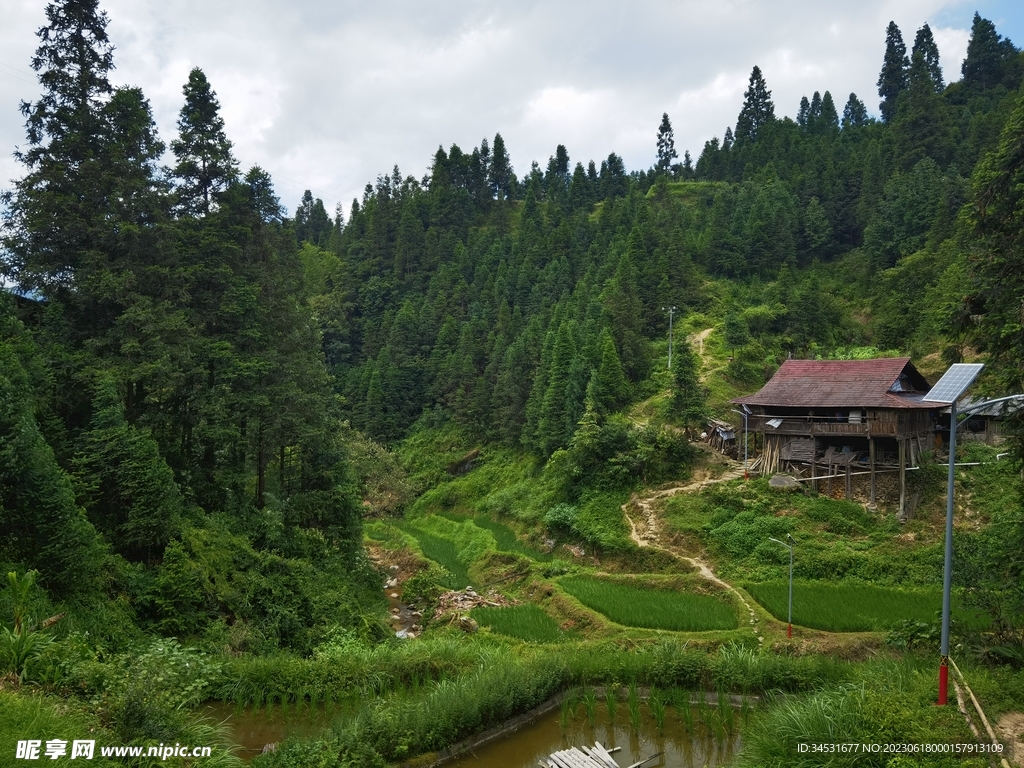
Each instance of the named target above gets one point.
<point>947,573</point>
<point>789,628</point>
<point>746,475</point>
<point>671,313</point>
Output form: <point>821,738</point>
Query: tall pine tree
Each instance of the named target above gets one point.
<point>205,164</point>
<point>758,109</point>
<point>666,145</point>
<point>893,78</point>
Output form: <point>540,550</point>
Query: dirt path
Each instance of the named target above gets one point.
<point>697,340</point>
<point>645,529</point>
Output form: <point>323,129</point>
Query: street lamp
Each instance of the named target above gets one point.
<point>671,313</point>
<point>744,413</point>
<point>958,383</point>
<point>789,629</point>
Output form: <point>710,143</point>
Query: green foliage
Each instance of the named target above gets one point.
<point>636,606</point>
<point>28,715</point>
<point>893,703</point>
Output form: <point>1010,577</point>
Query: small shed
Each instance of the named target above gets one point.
<point>831,417</point>
<point>984,425</point>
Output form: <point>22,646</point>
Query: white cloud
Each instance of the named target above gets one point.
<point>326,95</point>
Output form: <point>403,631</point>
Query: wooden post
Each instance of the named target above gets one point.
<point>849,487</point>
<point>871,450</point>
<point>903,480</point>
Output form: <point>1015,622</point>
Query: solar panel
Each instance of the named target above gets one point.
<point>954,382</point>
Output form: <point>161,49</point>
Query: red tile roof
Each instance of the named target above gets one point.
<point>842,384</point>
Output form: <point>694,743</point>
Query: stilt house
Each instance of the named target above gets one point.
<point>829,419</point>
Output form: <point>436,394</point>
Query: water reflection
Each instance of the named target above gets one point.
<point>702,744</point>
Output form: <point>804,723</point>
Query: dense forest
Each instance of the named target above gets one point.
<point>193,383</point>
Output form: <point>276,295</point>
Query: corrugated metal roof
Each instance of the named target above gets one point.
<point>843,384</point>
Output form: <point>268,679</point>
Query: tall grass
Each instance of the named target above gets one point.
<point>526,622</point>
<point>848,607</point>
<point>651,608</point>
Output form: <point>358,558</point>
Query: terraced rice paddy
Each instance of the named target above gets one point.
<point>526,622</point>
<point>849,607</point>
<point>651,608</point>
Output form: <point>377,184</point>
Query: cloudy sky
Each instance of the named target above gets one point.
<point>326,95</point>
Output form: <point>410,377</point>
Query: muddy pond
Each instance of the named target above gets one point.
<point>702,738</point>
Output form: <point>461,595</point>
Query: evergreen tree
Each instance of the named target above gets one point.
<point>986,51</point>
<point>688,172</point>
<point>924,44</point>
<point>312,224</point>
<point>893,78</point>
<point>205,164</point>
<point>991,310</point>
<point>41,527</point>
<point>689,398</point>
<point>666,145</point>
<point>803,112</point>
<point>855,114</point>
<point>56,213</point>
<point>828,118</point>
<point>501,176</point>
<point>758,110</point>
<point>608,387</point>
<point>126,487</point>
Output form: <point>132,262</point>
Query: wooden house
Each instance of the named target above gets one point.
<point>983,425</point>
<point>830,419</point>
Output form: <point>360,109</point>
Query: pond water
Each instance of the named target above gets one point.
<point>253,729</point>
<point>697,747</point>
<point>703,741</point>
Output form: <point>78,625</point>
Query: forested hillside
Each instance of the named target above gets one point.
<point>203,399</point>
<point>185,367</point>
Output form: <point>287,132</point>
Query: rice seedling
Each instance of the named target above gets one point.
<point>565,708</point>
<point>656,703</point>
<point>651,608</point>
<point>611,702</point>
<point>633,704</point>
<point>527,622</point>
<point>590,705</point>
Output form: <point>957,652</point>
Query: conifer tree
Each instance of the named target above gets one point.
<point>758,109</point>
<point>666,145</point>
<point>609,385</point>
<point>803,112</point>
<point>828,118</point>
<point>924,44</point>
<point>205,164</point>
<point>855,114</point>
<point>689,398</point>
<point>893,78</point>
<point>983,66</point>
<point>57,211</point>
<point>501,176</point>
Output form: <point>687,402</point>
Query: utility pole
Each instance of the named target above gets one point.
<point>671,313</point>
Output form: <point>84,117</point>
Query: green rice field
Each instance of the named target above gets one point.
<point>444,552</point>
<point>504,537</point>
<point>526,622</point>
<point>849,607</point>
<point>651,608</point>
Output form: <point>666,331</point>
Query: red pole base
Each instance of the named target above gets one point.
<point>943,684</point>
<point>789,630</point>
